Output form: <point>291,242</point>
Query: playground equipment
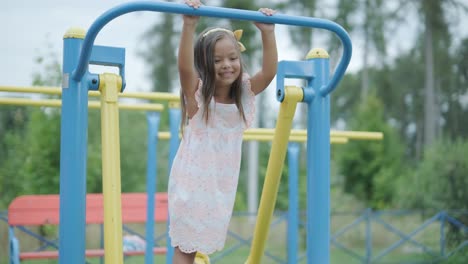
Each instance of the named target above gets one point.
<point>20,210</point>
<point>79,51</point>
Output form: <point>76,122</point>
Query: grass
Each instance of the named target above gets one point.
<point>336,257</point>
<point>354,239</point>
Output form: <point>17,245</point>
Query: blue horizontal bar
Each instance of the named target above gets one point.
<point>108,56</point>
<point>220,12</point>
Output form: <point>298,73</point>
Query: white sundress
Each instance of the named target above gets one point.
<point>204,175</point>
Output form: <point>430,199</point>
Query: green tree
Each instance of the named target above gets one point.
<point>12,153</point>
<point>23,132</point>
<point>440,183</point>
<point>370,168</point>
<point>42,163</point>
<point>435,38</point>
<point>455,99</point>
<point>400,87</point>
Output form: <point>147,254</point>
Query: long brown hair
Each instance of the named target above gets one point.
<point>204,65</point>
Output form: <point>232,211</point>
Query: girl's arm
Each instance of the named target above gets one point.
<point>187,74</point>
<point>270,55</point>
<point>185,62</point>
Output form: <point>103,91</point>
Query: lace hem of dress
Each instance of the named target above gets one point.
<point>188,247</point>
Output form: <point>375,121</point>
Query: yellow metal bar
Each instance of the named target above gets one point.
<point>293,95</point>
<point>144,107</point>
<point>164,135</point>
<point>91,104</point>
<point>266,137</point>
<point>358,135</point>
<point>31,89</point>
<point>30,102</point>
<point>293,138</point>
<point>144,95</point>
<point>174,104</point>
<point>58,91</point>
<point>110,85</point>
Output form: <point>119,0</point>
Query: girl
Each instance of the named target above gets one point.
<point>218,104</point>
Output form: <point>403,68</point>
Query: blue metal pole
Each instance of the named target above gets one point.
<point>293,212</point>
<point>153,119</point>
<point>101,243</point>
<point>442,220</point>
<point>368,235</point>
<point>174,122</point>
<point>218,12</point>
<point>14,247</point>
<point>318,161</point>
<point>73,154</point>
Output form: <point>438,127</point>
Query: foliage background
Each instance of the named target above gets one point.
<point>418,97</point>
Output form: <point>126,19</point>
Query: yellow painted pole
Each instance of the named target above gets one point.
<point>31,89</point>
<point>357,135</point>
<point>149,95</point>
<point>293,95</point>
<point>30,102</point>
<point>292,138</point>
<point>58,91</point>
<point>110,85</point>
<point>265,137</point>
<point>164,135</point>
<point>91,104</point>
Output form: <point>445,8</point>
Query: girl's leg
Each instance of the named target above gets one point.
<point>183,258</point>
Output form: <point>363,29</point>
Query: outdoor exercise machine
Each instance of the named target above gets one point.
<point>79,51</point>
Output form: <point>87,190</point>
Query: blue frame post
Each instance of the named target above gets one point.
<point>14,246</point>
<point>293,210</point>
<point>442,219</point>
<point>368,235</point>
<point>73,154</point>
<point>318,161</point>
<point>153,119</point>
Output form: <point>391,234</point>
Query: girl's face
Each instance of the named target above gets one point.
<point>226,63</point>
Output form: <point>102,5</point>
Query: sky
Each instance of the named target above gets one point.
<point>29,27</point>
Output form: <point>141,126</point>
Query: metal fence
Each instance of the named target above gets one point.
<point>388,236</point>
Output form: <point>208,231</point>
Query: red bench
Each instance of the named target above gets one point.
<point>37,210</point>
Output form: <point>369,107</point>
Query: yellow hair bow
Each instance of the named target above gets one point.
<point>237,35</point>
